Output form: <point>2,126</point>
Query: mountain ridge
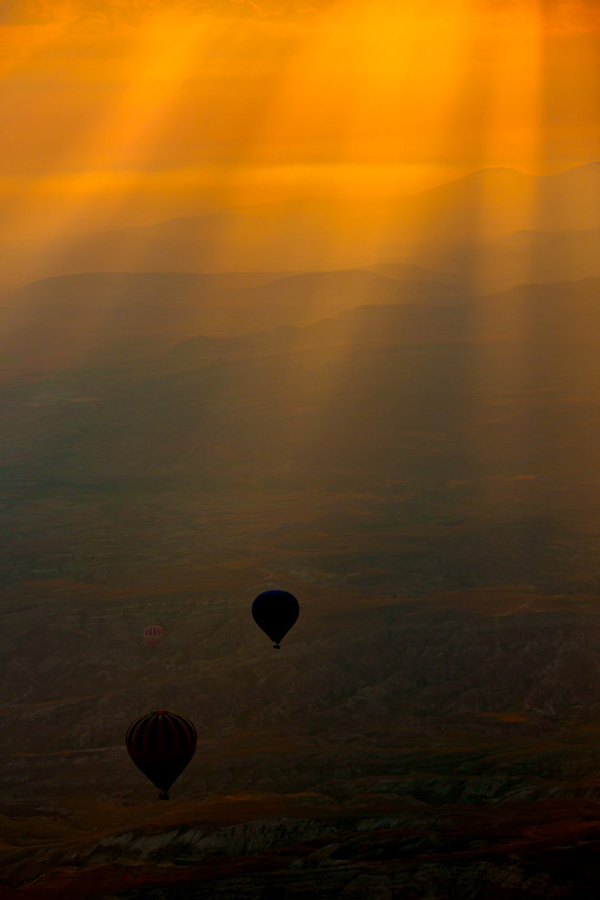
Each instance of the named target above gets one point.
<point>320,234</point>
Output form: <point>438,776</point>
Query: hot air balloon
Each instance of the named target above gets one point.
<point>275,612</point>
<point>153,635</point>
<point>161,744</point>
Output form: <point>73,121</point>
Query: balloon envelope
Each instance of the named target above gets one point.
<point>275,612</point>
<point>161,744</point>
<point>153,635</point>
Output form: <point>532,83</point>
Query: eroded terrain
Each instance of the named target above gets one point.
<point>423,478</point>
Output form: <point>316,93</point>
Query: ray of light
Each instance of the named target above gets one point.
<point>445,82</point>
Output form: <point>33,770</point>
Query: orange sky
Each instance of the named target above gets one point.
<point>120,111</point>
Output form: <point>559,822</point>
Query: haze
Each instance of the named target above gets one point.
<point>128,113</point>
<point>300,297</point>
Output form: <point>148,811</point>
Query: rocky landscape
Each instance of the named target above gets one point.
<point>421,473</point>
<point>444,747</point>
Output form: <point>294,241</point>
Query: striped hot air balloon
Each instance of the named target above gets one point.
<point>153,635</point>
<point>161,744</point>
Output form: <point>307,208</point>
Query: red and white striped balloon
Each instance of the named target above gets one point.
<point>153,635</point>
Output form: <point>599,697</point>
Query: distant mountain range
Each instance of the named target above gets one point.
<point>449,226</point>
<point>100,318</point>
<point>500,385</point>
<point>495,202</point>
<point>547,322</point>
<point>63,320</point>
<point>526,257</point>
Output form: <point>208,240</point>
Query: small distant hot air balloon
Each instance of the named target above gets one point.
<point>153,635</point>
<point>161,744</point>
<point>275,612</point>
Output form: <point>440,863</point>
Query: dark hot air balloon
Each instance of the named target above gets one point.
<point>153,635</point>
<point>161,744</point>
<point>275,612</point>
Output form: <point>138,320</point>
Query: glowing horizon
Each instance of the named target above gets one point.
<point>138,112</point>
